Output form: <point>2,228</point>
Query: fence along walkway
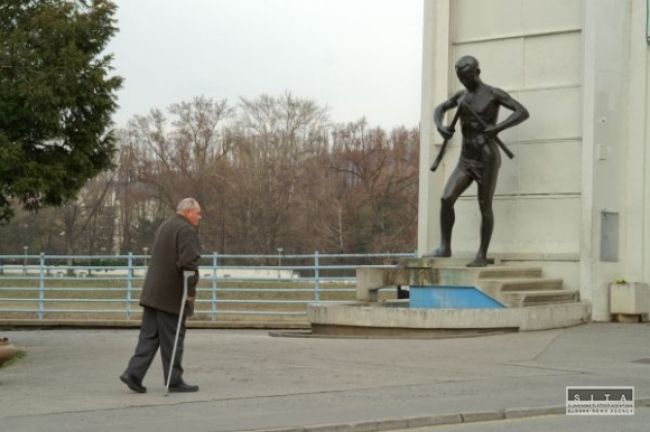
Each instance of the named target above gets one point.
<point>233,288</point>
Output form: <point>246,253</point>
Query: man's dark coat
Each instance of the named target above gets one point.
<point>176,248</point>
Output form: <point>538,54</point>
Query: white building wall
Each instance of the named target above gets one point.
<point>581,69</point>
<point>636,232</point>
<point>435,85</point>
<point>615,120</point>
<point>531,49</point>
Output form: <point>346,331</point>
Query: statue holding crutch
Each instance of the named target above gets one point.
<point>478,110</point>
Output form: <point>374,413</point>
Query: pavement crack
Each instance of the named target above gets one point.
<point>546,347</point>
<point>551,368</point>
<point>226,399</point>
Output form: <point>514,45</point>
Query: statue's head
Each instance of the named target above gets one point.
<point>468,71</point>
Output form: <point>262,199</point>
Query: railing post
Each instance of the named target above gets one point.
<point>215,263</point>
<point>41,287</point>
<point>316,277</point>
<point>129,285</point>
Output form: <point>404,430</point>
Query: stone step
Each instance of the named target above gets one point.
<point>456,261</point>
<point>535,298</point>
<point>473,276</point>
<point>513,285</point>
<point>429,262</point>
<point>507,272</point>
<point>519,284</point>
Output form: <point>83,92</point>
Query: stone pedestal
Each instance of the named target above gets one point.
<point>527,301</point>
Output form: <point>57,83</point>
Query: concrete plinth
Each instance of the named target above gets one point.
<point>503,298</point>
<point>396,316</point>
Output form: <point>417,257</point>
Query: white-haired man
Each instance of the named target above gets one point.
<point>176,249</point>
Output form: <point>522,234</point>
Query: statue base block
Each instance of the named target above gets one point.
<point>398,319</point>
<point>448,299</point>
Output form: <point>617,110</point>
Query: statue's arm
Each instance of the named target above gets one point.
<point>439,114</point>
<point>518,115</point>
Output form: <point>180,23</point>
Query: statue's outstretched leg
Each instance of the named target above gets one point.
<point>486,188</point>
<point>456,185</point>
<point>447,219</point>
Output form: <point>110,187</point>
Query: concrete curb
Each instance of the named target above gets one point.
<point>642,402</point>
<point>439,419</point>
<point>513,413</point>
<point>99,323</point>
<point>436,419</point>
<point>480,416</point>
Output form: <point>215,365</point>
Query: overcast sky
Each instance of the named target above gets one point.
<point>357,57</point>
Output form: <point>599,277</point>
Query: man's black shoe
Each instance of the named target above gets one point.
<point>133,383</point>
<point>183,388</point>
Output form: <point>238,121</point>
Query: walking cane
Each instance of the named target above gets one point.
<point>186,275</point>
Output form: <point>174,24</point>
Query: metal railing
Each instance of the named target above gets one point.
<point>231,287</point>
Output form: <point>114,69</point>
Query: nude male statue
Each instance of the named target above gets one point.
<point>478,111</point>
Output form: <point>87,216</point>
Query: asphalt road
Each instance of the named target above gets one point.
<point>250,381</point>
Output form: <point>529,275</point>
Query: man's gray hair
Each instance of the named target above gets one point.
<point>187,204</point>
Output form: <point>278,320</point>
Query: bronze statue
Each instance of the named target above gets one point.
<point>478,112</point>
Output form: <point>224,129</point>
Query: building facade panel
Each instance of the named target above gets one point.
<point>523,225</point>
<point>532,49</point>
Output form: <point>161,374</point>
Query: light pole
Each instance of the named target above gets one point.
<point>25,249</point>
<point>279,260</point>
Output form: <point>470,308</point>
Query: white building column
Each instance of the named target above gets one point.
<point>435,89</point>
<point>605,149</point>
<point>637,237</point>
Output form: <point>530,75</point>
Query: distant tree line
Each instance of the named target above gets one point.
<point>270,172</point>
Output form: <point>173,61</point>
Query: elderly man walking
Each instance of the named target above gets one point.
<point>176,249</point>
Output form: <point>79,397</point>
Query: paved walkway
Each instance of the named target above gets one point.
<point>249,381</point>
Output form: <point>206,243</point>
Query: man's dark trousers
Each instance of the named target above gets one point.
<point>158,329</point>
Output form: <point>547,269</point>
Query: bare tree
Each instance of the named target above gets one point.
<point>276,136</point>
<point>181,159</point>
<point>271,172</point>
<point>379,178</point>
